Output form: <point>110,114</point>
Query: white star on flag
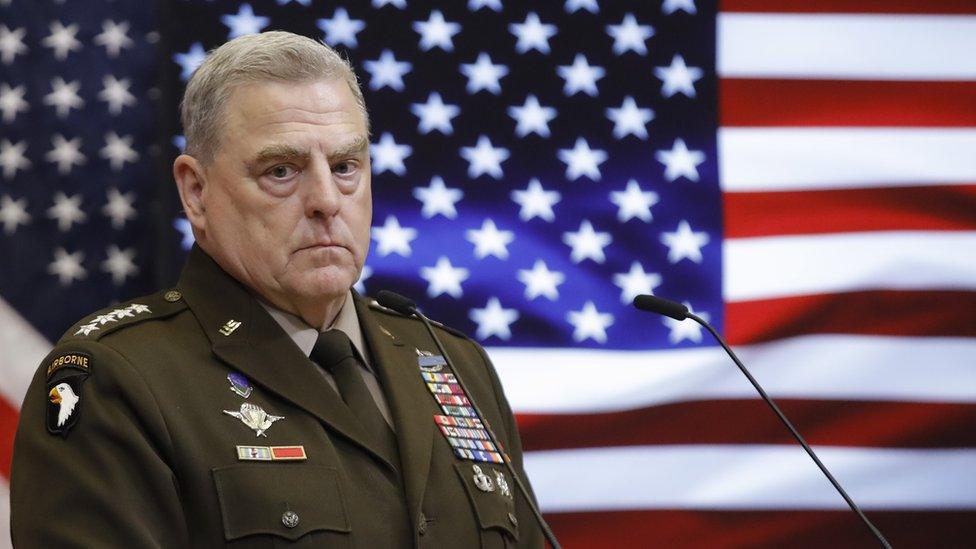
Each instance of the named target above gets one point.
<point>116,93</point>
<point>589,323</point>
<point>532,117</point>
<point>671,6</point>
<point>392,238</point>
<point>680,161</point>
<point>67,267</point>
<point>483,158</point>
<point>484,75</point>
<point>681,330</point>
<point>435,115</point>
<point>488,240</point>
<point>64,96</point>
<point>582,160</point>
<point>190,60</point>
<point>493,5</point>
<point>113,37</point>
<point>13,213</point>
<point>535,201</point>
<point>494,320</point>
<point>573,6</point>
<point>183,226</point>
<point>244,22</point>
<point>532,34</point>
<point>12,157</point>
<point>684,243</point>
<point>340,29</point>
<point>633,202</point>
<point>540,281</point>
<point>11,44</point>
<point>436,32</point>
<point>580,76</point>
<point>635,282</point>
<point>118,207</point>
<point>120,264</point>
<point>118,150</point>
<point>587,243</point>
<point>437,198</point>
<point>62,40</point>
<point>386,71</point>
<point>444,278</point>
<point>388,155</point>
<point>678,77</point>
<point>629,36</point>
<point>12,101</point>
<point>398,4</point>
<point>67,211</point>
<point>629,119</point>
<point>65,153</point>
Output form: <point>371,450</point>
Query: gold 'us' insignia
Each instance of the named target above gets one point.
<point>229,327</point>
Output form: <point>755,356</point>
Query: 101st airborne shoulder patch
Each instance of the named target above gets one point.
<point>66,373</point>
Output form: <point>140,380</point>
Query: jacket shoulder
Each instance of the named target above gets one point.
<point>120,316</point>
<point>376,307</point>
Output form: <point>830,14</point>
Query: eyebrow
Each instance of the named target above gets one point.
<point>278,152</point>
<point>352,148</point>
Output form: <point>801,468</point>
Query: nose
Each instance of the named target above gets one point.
<point>322,196</point>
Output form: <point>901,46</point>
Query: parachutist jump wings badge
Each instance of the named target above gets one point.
<point>255,417</point>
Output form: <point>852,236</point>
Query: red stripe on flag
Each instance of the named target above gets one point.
<point>873,312</point>
<point>851,6</point>
<point>9,416</point>
<point>754,102</point>
<point>760,529</point>
<point>875,424</point>
<point>947,207</point>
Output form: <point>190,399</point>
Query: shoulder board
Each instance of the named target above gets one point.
<point>373,304</point>
<point>154,306</point>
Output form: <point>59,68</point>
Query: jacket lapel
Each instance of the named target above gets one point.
<point>260,349</point>
<point>409,401</point>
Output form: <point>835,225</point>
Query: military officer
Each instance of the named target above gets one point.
<point>261,402</point>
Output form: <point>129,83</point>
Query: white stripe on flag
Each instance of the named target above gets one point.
<point>23,348</point>
<point>782,266</point>
<point>871,47</point>
<point>740,477</point>
<point>783,159</point>
<point>5,542</point>
<point>828,367</point>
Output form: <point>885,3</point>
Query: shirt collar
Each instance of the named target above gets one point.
<point>347,321</point>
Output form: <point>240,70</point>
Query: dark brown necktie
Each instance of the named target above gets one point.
<point>333,351</point>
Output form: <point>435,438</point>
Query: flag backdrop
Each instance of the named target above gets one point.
<point>799,173</point>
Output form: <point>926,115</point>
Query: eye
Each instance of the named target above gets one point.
<point>343,168</point>
<point>282,171</point>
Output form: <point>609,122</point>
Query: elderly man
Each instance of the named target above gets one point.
<point>261,402</point>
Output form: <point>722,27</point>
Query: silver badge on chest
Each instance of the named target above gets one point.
<point>483,481</point>
<point>254,417</point>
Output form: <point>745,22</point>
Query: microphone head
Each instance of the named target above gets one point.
<point>661,306</point>
<point>392,300</point>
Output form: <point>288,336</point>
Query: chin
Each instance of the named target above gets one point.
<point>326,282</point>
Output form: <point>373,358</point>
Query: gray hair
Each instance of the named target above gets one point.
<point>271,56</point>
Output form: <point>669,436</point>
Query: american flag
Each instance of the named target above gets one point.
<point>799,173</point>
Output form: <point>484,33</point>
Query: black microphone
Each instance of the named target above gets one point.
<point>677,311</point>
<point>407,307</point>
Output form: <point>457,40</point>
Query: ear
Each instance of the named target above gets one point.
<point>188,173</point>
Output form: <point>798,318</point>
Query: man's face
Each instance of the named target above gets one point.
<point>287,196</point>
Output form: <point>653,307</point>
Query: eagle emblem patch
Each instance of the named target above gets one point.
<point>66,375</point>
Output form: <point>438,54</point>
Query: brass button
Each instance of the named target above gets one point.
<point>513,519</point>
<point>173,296</point>
<point>290,519</point>
<point>422,525</point>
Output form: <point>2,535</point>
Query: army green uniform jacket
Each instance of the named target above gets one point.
<point>123,439</point>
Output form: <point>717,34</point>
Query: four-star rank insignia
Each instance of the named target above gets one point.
<point>66,373</point>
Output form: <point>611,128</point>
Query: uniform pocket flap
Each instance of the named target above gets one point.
<point>494,509</point>
<point>284,500</point>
